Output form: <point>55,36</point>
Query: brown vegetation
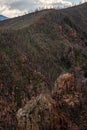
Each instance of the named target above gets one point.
<point>34,50</point>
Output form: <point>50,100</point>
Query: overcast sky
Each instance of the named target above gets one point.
<point>13,8</point>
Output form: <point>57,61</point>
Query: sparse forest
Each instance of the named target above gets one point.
<point>43,70</point>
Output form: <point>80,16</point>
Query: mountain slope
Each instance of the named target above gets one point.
<point>34,50</point>
<point>75,14</point>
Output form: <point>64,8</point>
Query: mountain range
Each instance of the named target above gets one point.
<point>3,18</point>
<point>43,70</point>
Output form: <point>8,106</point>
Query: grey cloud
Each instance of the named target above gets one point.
<point>21,5</point>
<point>18,7</point>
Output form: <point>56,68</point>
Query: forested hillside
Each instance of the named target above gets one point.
<point>34,50</point>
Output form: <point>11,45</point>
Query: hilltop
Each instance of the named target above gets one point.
<point>34,50</point>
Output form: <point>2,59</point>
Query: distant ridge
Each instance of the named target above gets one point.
<point>3,17</point>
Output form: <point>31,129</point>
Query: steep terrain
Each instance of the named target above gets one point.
<point>34,50</point>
